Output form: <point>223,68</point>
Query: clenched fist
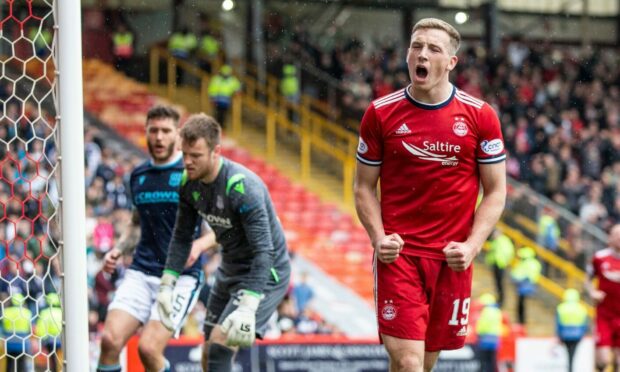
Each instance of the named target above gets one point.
<point>388,248</point>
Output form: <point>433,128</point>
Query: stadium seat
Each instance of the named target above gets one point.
<point>317,230</point>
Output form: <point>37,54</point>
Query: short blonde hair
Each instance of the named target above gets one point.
<point>434,23</point>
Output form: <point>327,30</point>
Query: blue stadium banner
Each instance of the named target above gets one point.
<point>289,358</point>
<point>314,357</point>
<point>354,357</point>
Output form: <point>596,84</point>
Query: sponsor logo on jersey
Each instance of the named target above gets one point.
<point>462,332</point>
<point>429,150</point>
<point>611,275</point>
<point>148,197</point>
<point>362,148</point>
<point>175,179</point>
<point>239,187</point>
<point>403,129</point>
<point>219,202</point>
<point>389,311</point>
<point>141,179</point>
<point>460,127</point>
<point>214,220</point>
<point>492,147</point>
<point>244,208</point>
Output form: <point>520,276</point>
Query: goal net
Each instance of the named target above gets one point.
<point>32,243</point>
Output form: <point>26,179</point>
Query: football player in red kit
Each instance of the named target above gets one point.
<point>431,146</point>
<point>606,296</point>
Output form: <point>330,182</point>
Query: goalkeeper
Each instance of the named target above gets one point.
<point>254,274</point>
<point>154,188</point>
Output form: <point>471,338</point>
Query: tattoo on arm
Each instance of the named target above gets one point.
<point>130,237</point>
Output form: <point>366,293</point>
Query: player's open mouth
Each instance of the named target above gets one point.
<point>421,72</point>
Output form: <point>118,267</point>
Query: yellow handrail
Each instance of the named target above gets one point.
<point>575,278</point>
<point>315,133</point>
<point>312,102</point>
<point>322,124</point>
<point>533,228</point>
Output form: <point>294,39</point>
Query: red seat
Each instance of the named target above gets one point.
<point>317,230</point>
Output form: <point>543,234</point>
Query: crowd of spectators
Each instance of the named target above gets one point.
<point>559,110</point>
<point>362,73</point>
<point>108,206</point>
<point>29,251</point>
<point>559,105</point>
<point>28,254</point>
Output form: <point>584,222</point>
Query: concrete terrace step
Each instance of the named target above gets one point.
<point>540,311</point>
<point>540,315</point>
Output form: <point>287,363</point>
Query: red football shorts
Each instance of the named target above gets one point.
<point>607,331</point>
<point>423,299</point>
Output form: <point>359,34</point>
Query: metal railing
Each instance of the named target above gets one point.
<point>578,242</point>
<point>563,274</point>
<point>318,140</point>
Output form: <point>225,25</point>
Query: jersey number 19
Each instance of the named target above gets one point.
<point>464,311</point>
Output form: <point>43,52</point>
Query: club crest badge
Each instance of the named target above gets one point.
<point>460,127</point>
<point>389,311</point>
<point>175,179</point>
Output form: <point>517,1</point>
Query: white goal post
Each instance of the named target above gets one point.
<point>70,121</point>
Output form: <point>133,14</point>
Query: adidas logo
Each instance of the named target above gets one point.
<point>404,129</point>
<point>462,332</point>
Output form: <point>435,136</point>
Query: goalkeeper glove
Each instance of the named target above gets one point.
<point>240,325</point>
<point>164,300</point>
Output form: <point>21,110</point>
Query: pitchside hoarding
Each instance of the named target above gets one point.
<point>315,356</point>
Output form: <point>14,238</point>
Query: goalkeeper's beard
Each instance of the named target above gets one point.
<point>167,155</point>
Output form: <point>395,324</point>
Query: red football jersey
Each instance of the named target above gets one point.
<point>429,156</point>
<point>606,267</point>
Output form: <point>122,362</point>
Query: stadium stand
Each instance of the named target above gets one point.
<point>315,229</point>
<point>560,113</point>
<point>109,157</point>
<point>524,234</point>
<point>320,232</point>
<point>558,106</point>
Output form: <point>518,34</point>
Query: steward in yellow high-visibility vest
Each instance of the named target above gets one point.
<point>499,257</point>
<point>42,39</point>
<point>525,274</point>
<point>208,47</point>
<point>122,41</point>
<point>208,51</point>
<point>49,328</point>
<point>16,331</point>
<point>488,331</point>
<point>289,84</point>
<point>571,322</point>
<point>289,88</point>
<point>222,88</point>
<point>181,44</point>
<point>548,230</point>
